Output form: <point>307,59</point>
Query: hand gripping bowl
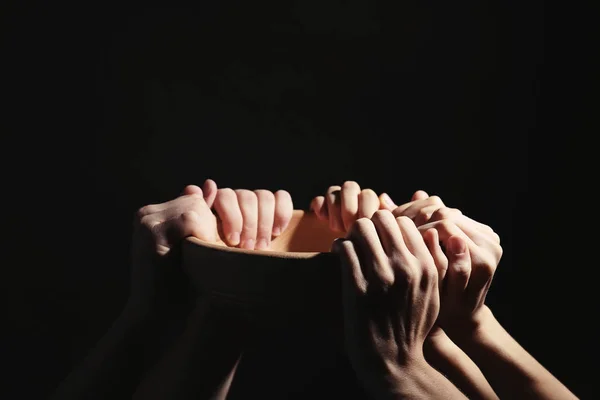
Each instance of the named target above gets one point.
<point>291,295</point>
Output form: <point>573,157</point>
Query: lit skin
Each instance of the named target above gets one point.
<point>348,202</point>
<point>210,343</point>
<point>466,330</point>
<point>391,302</point>
<point>511,370</point>
<point>156,277</point>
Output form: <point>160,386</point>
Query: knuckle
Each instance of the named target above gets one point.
<point>361,226</point>
<point>368,192</point>
<point>195,199</point>
<point>386,279</point>
<point>189,217</point>
<point>265,196</point>
<point>488,268</point>
<point>225,193</point>
<point>499,252</point>
<point>462,270</point>
<point>404,220</point>
<point>382,215</point>
<point>428,272</point>
<point>435,200</point>
<point>409,274</point>
<point>245,194</point>
<point>422,215</point>
<point>350,185</point>
<point>443,213</point>
<point>149,223</point>
<point>283,195</point>
<point>143,211</point>
<point>446,225</point>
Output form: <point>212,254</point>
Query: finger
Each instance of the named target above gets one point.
<point>478,236</point>
<point>449,213</point>
<point>174,208</point>
<point>249,208</point>
<point>386,202</point>
<point>353,279</point>
<point>319,207</point>
<point>389,233</point>
<point>413,239</point>
<point>368,203</point>
<point>191,189</point>
<point>374,260</point>
<point>187,224</point>
<point>413,209</point>
<point>210,192</point>
<point>423,215</point>
<point>419,195</point>
<point>459,270</point>
<point>445,213</point>
<point>266,217</point>
<point>432,241</point>
<point>447,228</point>
<point>228,210</point>
<point>333,199</point>
<point>284,208</point>
<point>349,203</point>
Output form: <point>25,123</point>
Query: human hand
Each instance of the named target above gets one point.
<point>342,205</point>
<point>251,219</point>
<point>467,266</point>
<point>390,298</point>
<point>420,207</point>
<point>159,227</point>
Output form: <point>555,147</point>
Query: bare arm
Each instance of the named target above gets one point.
<point>202,362</point>
<point>511,370</point>
<point>113,367</point>
<point>445,356</point>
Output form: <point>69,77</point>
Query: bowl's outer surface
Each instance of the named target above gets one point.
<point>293,295</point>
<point>298,273</point>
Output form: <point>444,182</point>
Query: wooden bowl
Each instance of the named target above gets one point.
<point>291,295</point>
<point>298,274</point>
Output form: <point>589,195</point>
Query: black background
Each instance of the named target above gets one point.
<point>114,108</point>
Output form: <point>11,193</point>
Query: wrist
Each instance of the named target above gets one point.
<point>473,328</point>
<point>415,380</point>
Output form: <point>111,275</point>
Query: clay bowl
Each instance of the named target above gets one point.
<point>298,277</point>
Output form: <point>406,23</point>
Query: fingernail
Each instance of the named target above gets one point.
<point>262,244</point>
<point>234,238</point>
<point>276,231</point>
<point>457,247</point>
<point>388,200</point>
<point>248,244</point>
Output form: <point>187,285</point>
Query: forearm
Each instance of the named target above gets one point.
<point>421,381</point>
<point>114,363</point>
<point>445,356</point>
<point>510,369</point>
<point>201,362</point>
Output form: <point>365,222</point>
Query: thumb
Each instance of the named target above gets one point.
<point>386,202</point>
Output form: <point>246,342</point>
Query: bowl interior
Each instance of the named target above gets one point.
<point>304,234</point>
<point>298,274</point>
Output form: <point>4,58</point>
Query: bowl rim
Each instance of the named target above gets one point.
<point>256,253</point>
